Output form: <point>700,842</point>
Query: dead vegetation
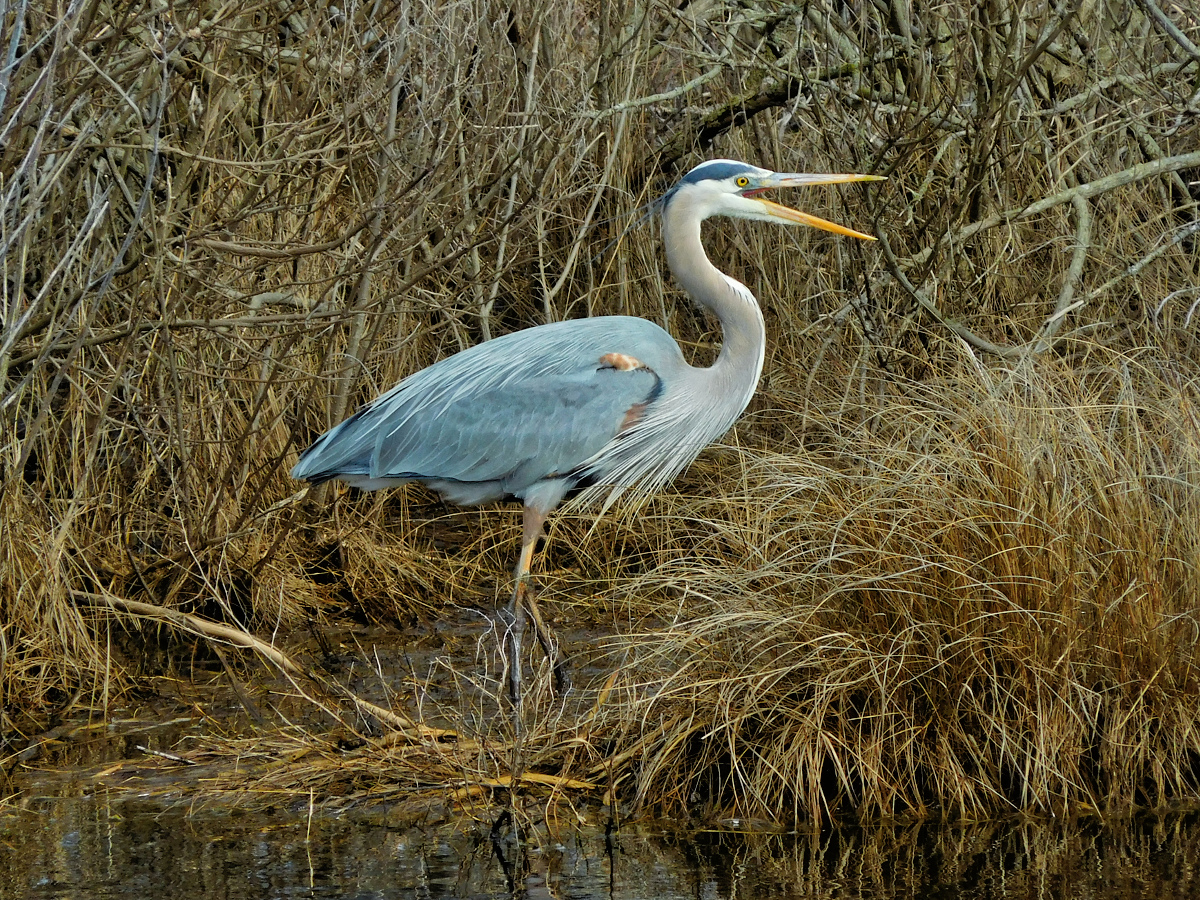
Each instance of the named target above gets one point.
<point>948,564</point>
<point>992,608</point>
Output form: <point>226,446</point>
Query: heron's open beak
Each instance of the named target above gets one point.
<point>777,211</point>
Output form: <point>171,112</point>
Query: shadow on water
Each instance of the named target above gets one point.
<point>92,847</point>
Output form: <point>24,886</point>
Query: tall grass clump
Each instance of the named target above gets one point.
<point>984,596</point>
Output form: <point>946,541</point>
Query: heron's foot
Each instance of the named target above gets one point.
<point>560,665</point>
<point>524,606</point>
<point>562,677</point>
<point>514,620</point>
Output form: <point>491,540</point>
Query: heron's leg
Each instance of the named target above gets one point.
<point>522,598</point>
<point>516,607</point>
<point>515,634</point>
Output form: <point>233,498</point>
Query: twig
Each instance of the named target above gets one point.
<point>219,326</point>
<point>507,781</point>
<point>1083,242</point>
<point>485,308</point>
<point>740,110</point>
<point>354,351</point>
<point>1180,235</point>
<point>171,756</point>
<point>662,96</point>
<point>1087,191</point>
<point>930,307</point>
<point>290,252</point>
<point>1171,29</point>
<point>581,233</point>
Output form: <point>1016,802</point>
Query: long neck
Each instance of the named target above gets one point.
<point>744,339</point>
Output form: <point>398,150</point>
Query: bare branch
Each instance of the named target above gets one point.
<point>1087,191</point>
<point>1083,243</point>
<point>1165,23</point>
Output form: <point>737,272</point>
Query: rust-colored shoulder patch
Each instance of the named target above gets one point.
<point>621,361</point>
<point>632,416</point>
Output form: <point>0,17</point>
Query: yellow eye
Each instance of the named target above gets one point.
<point>742,181</point>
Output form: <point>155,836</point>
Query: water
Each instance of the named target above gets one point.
<point>89,846</point>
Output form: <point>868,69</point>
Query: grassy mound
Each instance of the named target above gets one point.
<point>982,597</point>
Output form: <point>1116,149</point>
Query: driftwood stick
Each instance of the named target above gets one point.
<point>237,637</point>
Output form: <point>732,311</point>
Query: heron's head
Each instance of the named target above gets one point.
<point>726,187</point>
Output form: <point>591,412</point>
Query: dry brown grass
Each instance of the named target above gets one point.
<point>976,602</point>
<point>956,541</point>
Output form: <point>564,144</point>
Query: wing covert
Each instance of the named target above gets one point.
<point>516,433</point>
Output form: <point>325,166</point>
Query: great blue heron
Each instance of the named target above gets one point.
<point>602,404</point>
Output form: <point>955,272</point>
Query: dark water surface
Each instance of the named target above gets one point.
<point>87,846</point>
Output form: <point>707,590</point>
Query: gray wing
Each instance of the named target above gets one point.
<point>528,429</point>
<point>503,415</point>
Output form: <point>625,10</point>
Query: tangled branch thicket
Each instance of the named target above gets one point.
<point>953,566</point>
